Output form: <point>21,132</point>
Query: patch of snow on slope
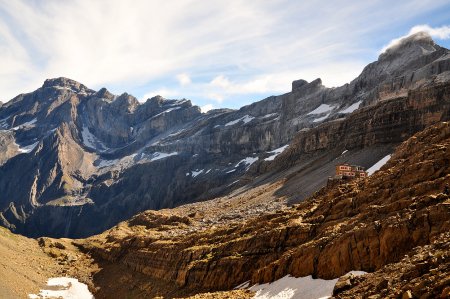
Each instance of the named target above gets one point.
<point>176,133</point>
<point>133,159</point>
<point>248,162</point>
<point>64,88</point>
<point>177,103</point>
<point>351,108</point>
<point>196,172</point>
<point>65,288</point>
<point>246,119</point>
<point>378,165</point>
<point>90,140</point>
<point>290,287</point>
<point>276,152</point>
<point>321,118</point>
<point>323,108</point>
<point>3,124</point>
<point>166,111</point>
<point>27,149</point>
<point>269,115</point>
<point>28,124</point>
<point>159,156</point>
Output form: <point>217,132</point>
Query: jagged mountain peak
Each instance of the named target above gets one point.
<point>417,44</point>
<point>103,93</point>
<point>65,83</point>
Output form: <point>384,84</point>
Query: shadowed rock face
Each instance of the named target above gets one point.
<point>75,161</point>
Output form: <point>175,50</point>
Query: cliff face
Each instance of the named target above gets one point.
<point>69,152</point>
<point>362,225</point>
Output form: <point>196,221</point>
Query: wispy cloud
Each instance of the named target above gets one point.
<point>220,50</point>
<point>442,32</point>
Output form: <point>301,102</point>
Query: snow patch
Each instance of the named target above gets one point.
<point>128,161</point>
<point>378,165</point>
<point>276,152</point>
<point>233,183</point>
<point>91,141</point>
<point>246,119</point>
<point>196,172</point>
<point>166,111</point>
<point>176,133</point>
<point>65,288</point>
<point>323,108</point>
<point>248,162</point>
<point>321,118</point>
<point>269,115</point>
<point>344,152</point>
<point>177,103</point>
<point>290,287</point>
<point>351,108</point>
<point>29,148</point>
<point>64,88</point>
<point>159,156</point>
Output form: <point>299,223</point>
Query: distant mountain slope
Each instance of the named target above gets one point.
<point>75,161</point>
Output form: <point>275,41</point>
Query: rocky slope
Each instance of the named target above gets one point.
<point>74,161</point>
<point>24,268</point>
<point>394,224</point>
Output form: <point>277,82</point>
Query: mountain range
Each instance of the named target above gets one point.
<point>74,161</point>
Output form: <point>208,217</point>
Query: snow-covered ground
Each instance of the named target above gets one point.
<point>323,108</point>
<point>290,287</point>
<point>351,108</point>
<point>276,152</point>
<point>378,165</point>
<point>245,119</point>
<point>65,288</point>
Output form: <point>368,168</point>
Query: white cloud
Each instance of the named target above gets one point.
<point>214,96</point>
<point>257,46</point>
<point>183,79</point>
<point>438,32</point>
<point>206,108</point>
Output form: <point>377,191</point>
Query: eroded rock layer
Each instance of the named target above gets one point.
<point>367,225</point>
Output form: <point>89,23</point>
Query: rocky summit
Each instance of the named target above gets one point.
<point>161,200</point>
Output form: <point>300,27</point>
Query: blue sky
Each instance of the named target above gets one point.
<point>215,53</point>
